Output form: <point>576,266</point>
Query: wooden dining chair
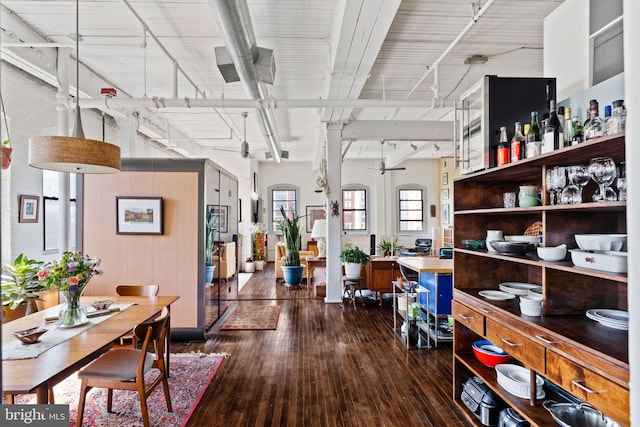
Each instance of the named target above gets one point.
<point>125,368</point>
<point>135,291</point>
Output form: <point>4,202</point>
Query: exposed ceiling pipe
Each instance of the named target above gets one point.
<point>164,49</point>
<point>449,48</point>
<point>269,104</point>
<point>235,22</point>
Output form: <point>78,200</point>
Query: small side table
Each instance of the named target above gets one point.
<point>349,286</point>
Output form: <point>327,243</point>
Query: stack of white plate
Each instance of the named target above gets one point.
<point>518,288</point>
<point>616,319</point>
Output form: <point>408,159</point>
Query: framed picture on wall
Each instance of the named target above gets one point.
<point>445,194</point>
<point>313,213</point>
<point>139,215</point>
<point>445,178</point>
<point>445,214</point>
<point>222,212</point>
<point>29,208</point>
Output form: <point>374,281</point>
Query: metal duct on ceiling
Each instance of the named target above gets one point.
<point>235,23</point>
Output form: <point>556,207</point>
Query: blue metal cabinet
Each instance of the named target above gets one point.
<point>436,302</point>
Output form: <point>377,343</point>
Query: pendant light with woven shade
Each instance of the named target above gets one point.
<point>74,153</point>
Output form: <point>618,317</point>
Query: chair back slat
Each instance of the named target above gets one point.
<point>137,290</point>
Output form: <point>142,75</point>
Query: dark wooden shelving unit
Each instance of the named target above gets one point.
<point>563,346</point>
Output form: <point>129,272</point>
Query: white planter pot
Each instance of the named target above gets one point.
<point>259,265</point>
<point>352,270</point>
<point>249,267</point>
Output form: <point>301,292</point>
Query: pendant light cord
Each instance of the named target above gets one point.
<point>77,127</point>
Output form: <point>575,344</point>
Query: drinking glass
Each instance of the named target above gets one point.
<point>579,176</point>
<point>621,184</point>
<point>603,172</point>
<point>556,180</point>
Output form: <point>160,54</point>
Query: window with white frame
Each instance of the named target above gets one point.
<point>284,196</point>
<point>411,216</point>
<point>51,211</point>
<point>354,208</point>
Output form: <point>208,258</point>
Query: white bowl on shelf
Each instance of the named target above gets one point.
<point>554,253</point>
<point>516,380</point>
<point>531,305</point>
<point>601,242</point>
<point>609,261</point>
<point>534,240</point>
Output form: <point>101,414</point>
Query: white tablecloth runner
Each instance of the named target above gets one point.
<point>15,349</point>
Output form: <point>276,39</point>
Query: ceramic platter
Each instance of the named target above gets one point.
<point>616,319</point>
<point>518,288</point>
<point>496,295</point>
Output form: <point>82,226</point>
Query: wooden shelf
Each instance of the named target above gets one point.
<point>563,343</point>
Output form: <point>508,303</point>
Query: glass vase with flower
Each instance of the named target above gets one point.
<point>70,275</point>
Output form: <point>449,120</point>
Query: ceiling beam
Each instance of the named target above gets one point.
<point>398,130</point>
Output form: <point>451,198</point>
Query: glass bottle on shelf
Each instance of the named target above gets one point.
<point>518,144</point>
<point>552,137</point>
<point>577,131</point>
<point>503,148</point>
<point>595,128</point>
<point>533,137</point>
<point>568,127</point>
<point>616,122</point>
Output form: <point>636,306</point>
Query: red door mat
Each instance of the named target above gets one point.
<point>253,317</point>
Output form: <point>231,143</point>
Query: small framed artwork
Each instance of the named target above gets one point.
<point>29,208</point>
<point>445,178</point>
<point>445,214</point>
<point>445,194</point>
<point>139,215</point>
<point>222,214</point>
<point>313,213</point>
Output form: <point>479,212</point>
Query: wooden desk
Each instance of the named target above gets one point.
<point>39,374</point>
<point>312,263</point>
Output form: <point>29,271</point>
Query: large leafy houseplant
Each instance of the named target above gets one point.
<point>292,234</point>
<point>354,255</point>
<point>20,281</point>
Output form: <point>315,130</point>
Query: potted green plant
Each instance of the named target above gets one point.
<point>20,285</point>
<point>257,256</point>
<point>353,258</point>
<point>212,229</point>
<point>249,265</point>
<point>390,248</point>
<point>6,153</point>
<point>292,270</point>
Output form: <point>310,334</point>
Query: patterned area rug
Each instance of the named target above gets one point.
<point>253,317</point>
<point>190,376</point>
<point>211,315</point>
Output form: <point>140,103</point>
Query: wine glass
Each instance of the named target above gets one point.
<point>579,176</point>
<point>603,172</point>
<point>552,181</point>
<point>559,181</point>
<point>621,184</point>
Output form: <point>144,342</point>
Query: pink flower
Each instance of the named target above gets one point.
<point>73,281</point>
<point>43,274</point>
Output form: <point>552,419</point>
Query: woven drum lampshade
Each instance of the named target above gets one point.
<point>73,154</point>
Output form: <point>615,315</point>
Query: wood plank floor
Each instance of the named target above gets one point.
<point>325,365</point>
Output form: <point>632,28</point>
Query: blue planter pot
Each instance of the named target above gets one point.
<point>208,273</point>
<point>292,275</point>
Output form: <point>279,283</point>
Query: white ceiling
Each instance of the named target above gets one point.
<point>378,50</point>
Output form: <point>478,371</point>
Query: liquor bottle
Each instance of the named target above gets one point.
<point>561,118</point>
<point>568,127</point>
<point>595,128</point>
<point>533,137</point>
<point>577,131</point>
<point>518,144</point>
<point>503,148</point>
<point>617,121</point>
<point>552,131</point>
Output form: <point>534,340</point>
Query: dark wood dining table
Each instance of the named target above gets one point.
<point>39,374</point>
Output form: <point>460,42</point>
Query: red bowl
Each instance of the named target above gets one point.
<point>489,354</point>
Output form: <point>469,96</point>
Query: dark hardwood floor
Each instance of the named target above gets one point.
<point>325,365</point>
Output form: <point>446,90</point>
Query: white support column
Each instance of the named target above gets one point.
<point>128,129</point>
<point>334,175</point>
<point>63,130</point>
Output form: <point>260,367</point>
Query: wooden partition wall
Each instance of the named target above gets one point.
<point>173,260</point>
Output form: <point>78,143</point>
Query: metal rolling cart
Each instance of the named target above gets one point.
<point>414,323</point>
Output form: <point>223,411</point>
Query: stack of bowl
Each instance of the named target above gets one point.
<point>531,304</point>
<point>489,354</point>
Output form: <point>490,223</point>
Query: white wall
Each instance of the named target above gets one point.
<point>382,193</point>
